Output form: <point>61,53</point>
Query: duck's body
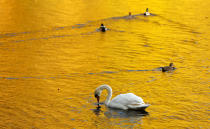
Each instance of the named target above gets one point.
<point>127,101</point>
<point>146,13</point>
<point>102,28</point>
<point>130,15</point>
<point>168,68</point>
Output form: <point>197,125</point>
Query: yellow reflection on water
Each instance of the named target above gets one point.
<point>52,58</point>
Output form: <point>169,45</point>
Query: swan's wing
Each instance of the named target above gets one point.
<point>138,107</point>
<point>127,99</point>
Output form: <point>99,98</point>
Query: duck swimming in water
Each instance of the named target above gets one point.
<point>102,28</point>
<point>168,68</point>
<point>130,15</point>
<point>147,12</point>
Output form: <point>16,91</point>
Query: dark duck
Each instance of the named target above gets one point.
<point>102,28</point>
<point>168,68</point>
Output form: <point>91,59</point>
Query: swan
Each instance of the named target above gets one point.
<point>147,12</point>
<point>102,28</point>
<point>127,101</point>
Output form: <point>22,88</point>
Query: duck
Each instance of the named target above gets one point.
<point>147,12</point>
<point>102,28</point>
<point>130,15</point>
<point>127,101</point>
<point>168,68</point>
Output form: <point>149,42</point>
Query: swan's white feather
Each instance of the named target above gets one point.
<point>127,101</point>
<point>122,101</point>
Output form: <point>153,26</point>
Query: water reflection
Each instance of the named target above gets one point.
<point>69,28</point>
<point>49,45</point>
<point>60,29</point>
<point>116,113</point>
<point>122,117</point>
<point>70,75</point>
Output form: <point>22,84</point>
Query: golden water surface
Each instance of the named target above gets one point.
<point>52,58</point>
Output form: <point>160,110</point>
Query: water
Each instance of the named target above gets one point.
<point>52,58</point>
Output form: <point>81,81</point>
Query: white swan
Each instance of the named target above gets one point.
<point>122,101</point>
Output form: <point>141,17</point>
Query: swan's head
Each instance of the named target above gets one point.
<point>97,94</point>
<point>98,91</point>
<point>171,64</point>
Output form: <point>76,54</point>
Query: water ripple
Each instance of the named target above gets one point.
<point>76,74</point>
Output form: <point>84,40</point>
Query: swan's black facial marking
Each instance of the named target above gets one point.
<point>98,98</point>
<point>96,95</point>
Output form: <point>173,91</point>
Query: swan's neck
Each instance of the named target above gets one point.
<point>109,96</point>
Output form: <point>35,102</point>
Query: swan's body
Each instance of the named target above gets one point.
<point>122,101</point>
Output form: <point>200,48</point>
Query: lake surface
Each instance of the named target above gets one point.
<point>52,58</point>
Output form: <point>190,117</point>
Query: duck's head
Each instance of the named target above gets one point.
<point>129,13</point>
<point>171,64</point>
<point>102,24</point>
<point>147,10</point>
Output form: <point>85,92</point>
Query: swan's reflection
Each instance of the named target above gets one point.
<point>116,113</point>
<point>97,111</point>
<point>123,118</point>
